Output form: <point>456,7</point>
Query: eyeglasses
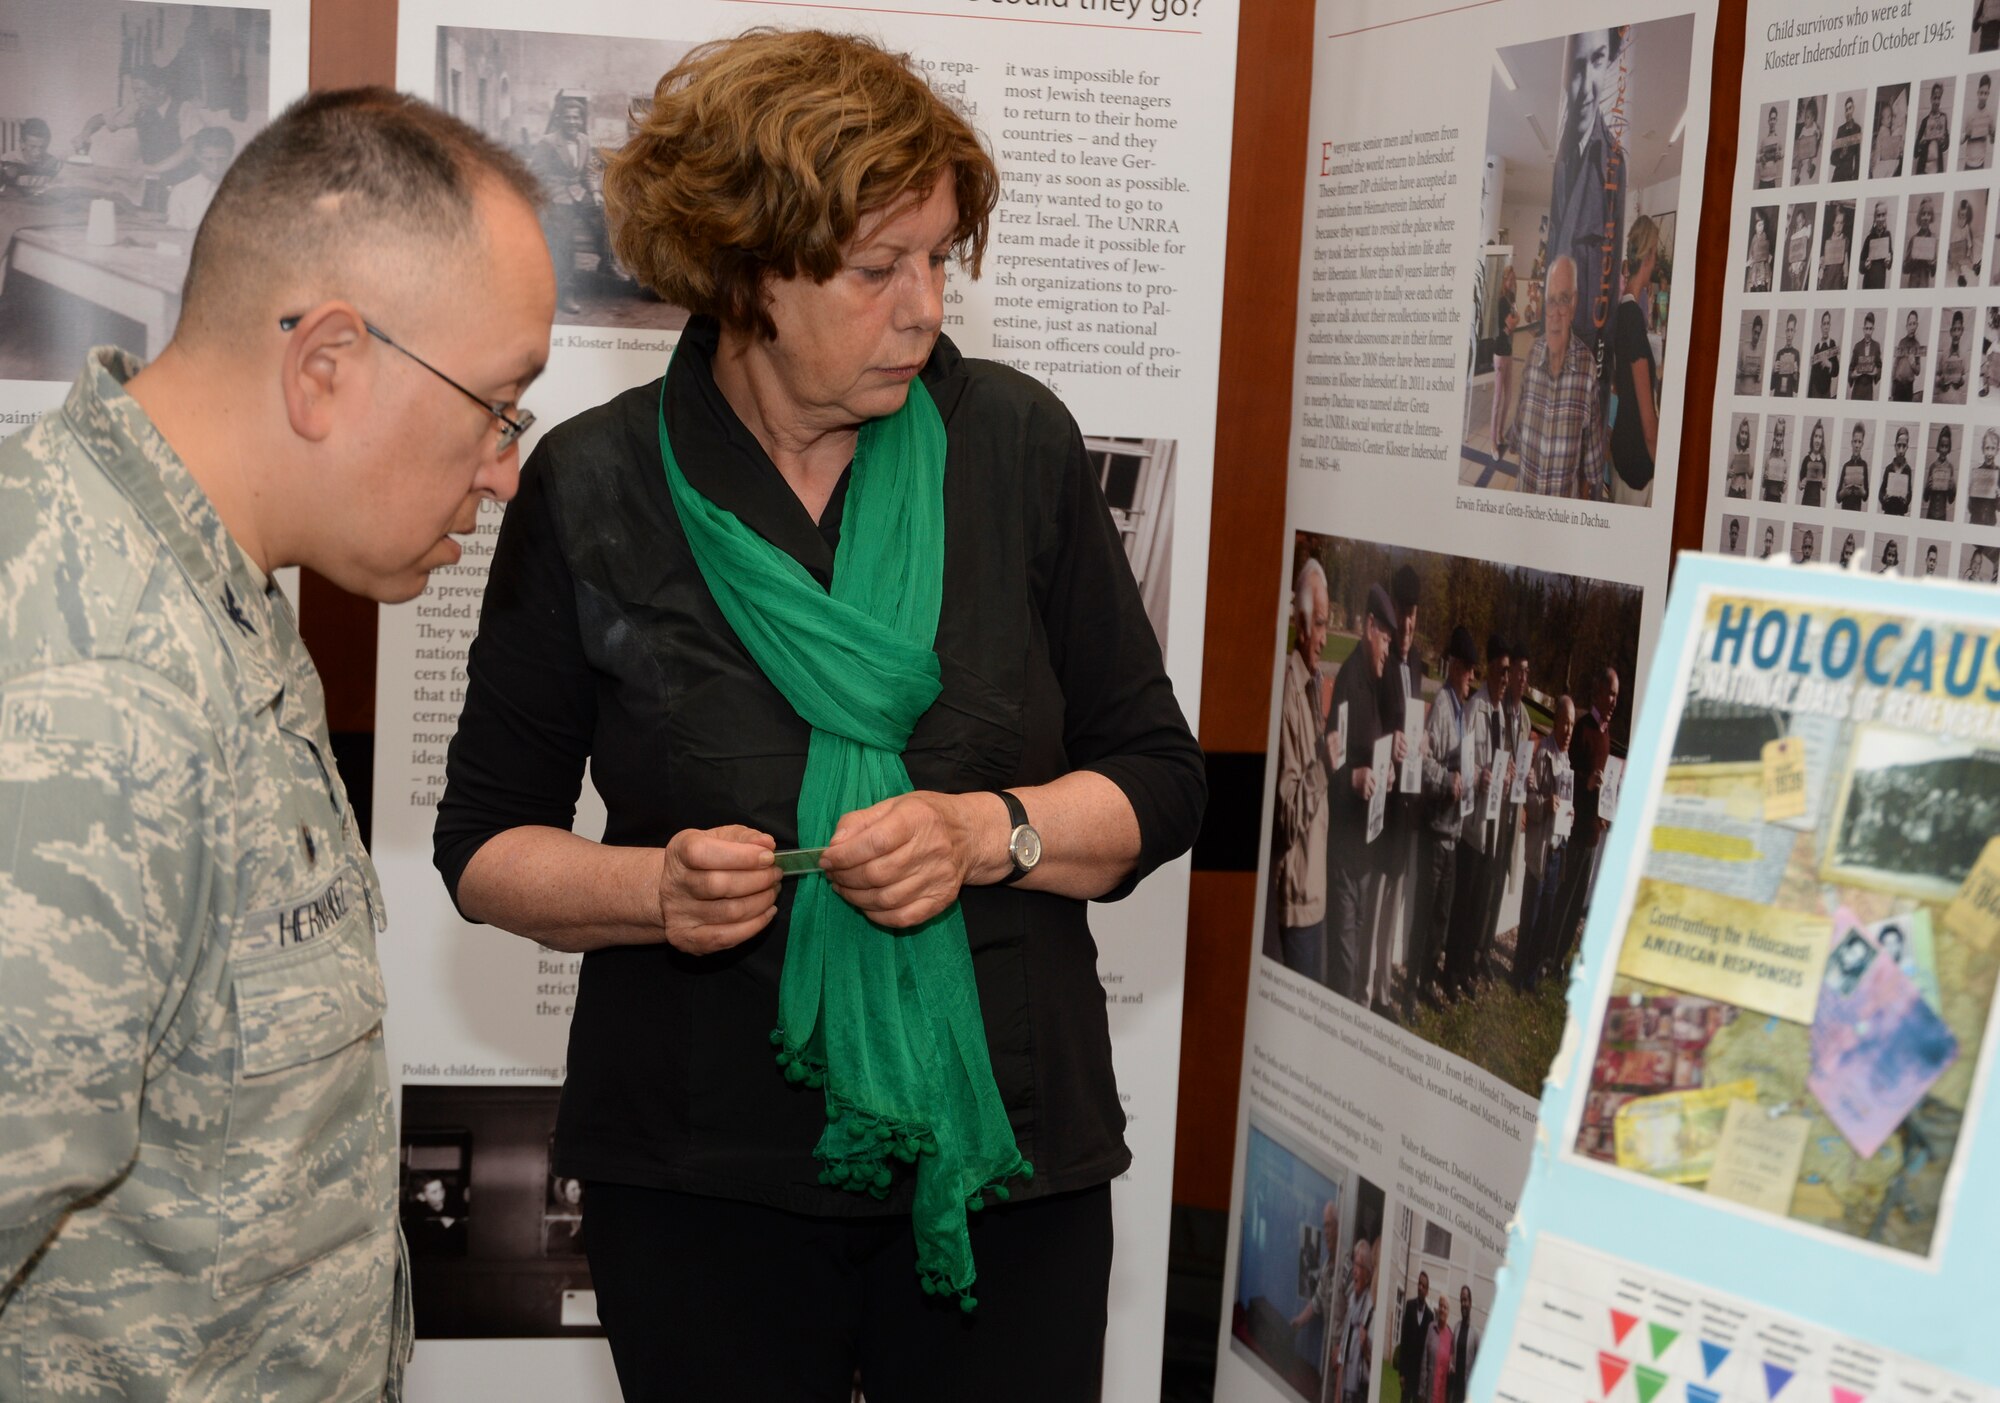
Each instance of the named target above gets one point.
<point>511,428</point>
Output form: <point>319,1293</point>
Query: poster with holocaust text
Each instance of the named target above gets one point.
<point>1761,1153</point>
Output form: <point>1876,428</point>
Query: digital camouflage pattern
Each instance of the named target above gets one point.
<point>197,1161</point>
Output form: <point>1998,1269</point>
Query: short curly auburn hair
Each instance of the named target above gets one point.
<point>763,153</point>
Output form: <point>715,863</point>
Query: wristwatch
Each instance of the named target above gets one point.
<point>1024,844</point>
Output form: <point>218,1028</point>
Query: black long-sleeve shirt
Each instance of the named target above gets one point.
<point>599,642</point>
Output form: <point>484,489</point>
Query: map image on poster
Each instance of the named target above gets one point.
<point>1799,995</point>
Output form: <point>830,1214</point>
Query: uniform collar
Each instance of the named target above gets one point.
<point>121,440</point>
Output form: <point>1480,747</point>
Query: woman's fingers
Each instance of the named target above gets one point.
<point>718,887</point>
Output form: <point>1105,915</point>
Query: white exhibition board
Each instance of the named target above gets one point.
<point>1457,155</point>
<point>1116,305</point>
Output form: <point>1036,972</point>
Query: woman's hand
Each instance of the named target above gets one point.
<point>902,861</point>
<point>718,887</point>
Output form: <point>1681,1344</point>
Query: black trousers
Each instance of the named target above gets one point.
<point>1467,932</point>
<point>1350,922</point>
<point>1436,878</point>
<point>711,1300</point>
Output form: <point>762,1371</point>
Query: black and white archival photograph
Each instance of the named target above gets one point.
<point>117,121</point>
<point>1853,465</point>
<point>1836,245</point>
<point>1736,535</point>
<point>496,1235</point>
<point>1796,275</point>
<point>560,101</point>
<point>1807,541</point>
<point>1741,470</point>
<point>1760,253</point>
<point>1878,243</point>
<point>1896,494</point>
<point>1956,359</point>
<point>1931,559</point>
<point>1923,238</point>
<point>1770,168</point>
<point>1892,131</point>
<point>1137,475</point>
<point>1775,473</point>
<point>1931,153</point>
<point>1823,365</point>
<point>1985,26</point>
<point>1915,812</point>
<point>1814,462</point>
<point>1889,553</point>
<point>1753,348</point>
<point>1938,498</point>
<point>562,1215</point>
<point>1844,123</point>
<point>1965,248</point>
<point>1848,548</point>
<point>1909,357</point>
<point>1788,352</point>
<point>1808,140</point>
<point>1976,126</point>
<point>1715,732</point>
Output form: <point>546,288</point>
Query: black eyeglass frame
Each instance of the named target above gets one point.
<point>511,429</point>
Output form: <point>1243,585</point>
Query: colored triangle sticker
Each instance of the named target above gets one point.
<point>1776,1376</point>
<point>1712,1355</point>
<point>1663,1339</point>
<point>1611,1369</point>
<point>1621,1326</point>
<point>1847,1395</point>
<point>1650,1382</point>
<point>1698,1394</point>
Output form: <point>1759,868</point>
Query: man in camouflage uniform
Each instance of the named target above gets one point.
<point>197,1160</point>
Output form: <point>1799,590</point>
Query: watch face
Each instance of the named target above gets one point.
<point>1025,847</point>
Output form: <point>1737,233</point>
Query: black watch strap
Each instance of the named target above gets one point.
<point>1017,817</point>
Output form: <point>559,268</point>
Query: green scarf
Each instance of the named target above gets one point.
<point>887,1023</point>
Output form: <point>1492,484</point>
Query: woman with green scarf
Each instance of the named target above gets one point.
<point>827,585</point>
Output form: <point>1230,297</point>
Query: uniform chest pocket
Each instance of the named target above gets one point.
<point>306,1167</point>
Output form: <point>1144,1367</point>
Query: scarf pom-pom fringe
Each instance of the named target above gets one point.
<point>937,1284</point>
<point>860,1146</point>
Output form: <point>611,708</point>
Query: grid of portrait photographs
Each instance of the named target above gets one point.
<point>1798,1007</point>
<point>1573,293</point>
<point>1863,402</point>
<point>1309,1268</point>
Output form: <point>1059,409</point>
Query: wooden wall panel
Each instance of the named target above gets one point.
<point>353,42</point>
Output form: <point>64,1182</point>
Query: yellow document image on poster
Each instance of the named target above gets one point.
<point>1736,952</point>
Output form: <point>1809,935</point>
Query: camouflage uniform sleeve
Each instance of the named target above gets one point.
<point>108,818</point>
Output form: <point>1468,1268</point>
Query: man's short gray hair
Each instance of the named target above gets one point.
<point>366,169</point>
<point>1302,599</point>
